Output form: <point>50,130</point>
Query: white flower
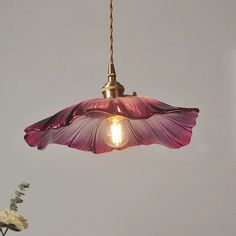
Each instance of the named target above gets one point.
<point>12,220</point>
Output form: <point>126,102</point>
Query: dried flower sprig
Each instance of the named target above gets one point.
<point>9,219</point>
<point>18,194</point>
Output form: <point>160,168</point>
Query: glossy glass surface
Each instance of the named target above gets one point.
<point>82,126</point>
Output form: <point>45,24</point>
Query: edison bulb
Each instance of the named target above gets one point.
<point>115,134</point>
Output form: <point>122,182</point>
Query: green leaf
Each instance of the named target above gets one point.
<point>12,201</point>
<point>18,200</point>
<point>13,207</point>
<point>19,194</point>
<point>23,185</point>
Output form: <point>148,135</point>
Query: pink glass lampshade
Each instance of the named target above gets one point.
<point>144,120</point>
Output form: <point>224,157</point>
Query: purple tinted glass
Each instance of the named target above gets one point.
<point>82,126</point>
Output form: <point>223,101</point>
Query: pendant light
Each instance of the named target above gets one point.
<point>115,122</point>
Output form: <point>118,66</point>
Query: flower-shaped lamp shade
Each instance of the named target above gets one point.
<point>102,125</point>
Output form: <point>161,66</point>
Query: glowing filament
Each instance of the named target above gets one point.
<point>116,132</point>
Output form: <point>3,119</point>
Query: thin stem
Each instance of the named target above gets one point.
<point>5,232</point>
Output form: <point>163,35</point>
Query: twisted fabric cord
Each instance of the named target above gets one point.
<point>111,32</point>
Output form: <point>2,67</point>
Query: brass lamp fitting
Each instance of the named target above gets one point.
<point>112,88</point>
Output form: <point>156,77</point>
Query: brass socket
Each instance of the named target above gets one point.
<point>112,88</point>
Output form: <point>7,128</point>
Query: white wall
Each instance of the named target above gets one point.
<point>54,54</point>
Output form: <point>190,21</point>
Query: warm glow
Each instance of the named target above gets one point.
<point>115,135</point>
<point>116,132</point>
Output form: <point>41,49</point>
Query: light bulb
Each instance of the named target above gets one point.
<point>115,134</point>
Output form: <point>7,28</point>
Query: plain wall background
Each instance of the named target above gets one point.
<point>54,53</point>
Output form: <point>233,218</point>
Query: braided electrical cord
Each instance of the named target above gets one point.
<point>111,32</point>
